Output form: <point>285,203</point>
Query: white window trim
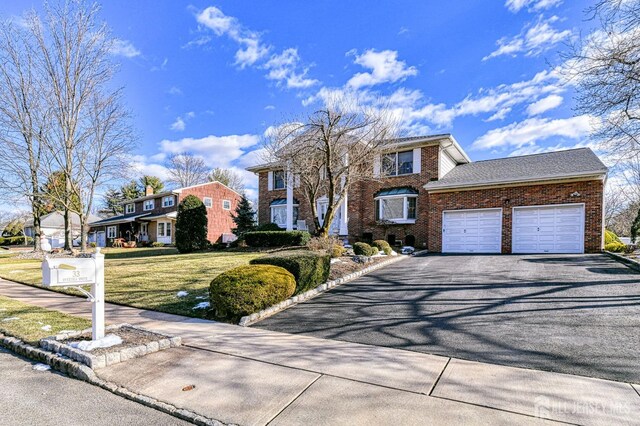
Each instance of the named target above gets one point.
<point>413,167</point>
<point>227,203</point>
<point>109,233</point>
<point>144,205</point>
<point>405,207</point>
<point>166,226</point>
<point>209,199</point>
<point>166,198</point>
<point>126,208</point>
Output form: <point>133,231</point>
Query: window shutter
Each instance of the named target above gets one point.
<point>270,181</point>
<point>417,163</point>
<point>376,166</point>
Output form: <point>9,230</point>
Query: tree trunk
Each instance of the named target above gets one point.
<point>68,243</point>
<point>83,233</point>
<point>36,228</point>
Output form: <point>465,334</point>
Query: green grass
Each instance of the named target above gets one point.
<point>26,322</point>
<point>147,278</point>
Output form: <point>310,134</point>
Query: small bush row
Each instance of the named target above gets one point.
<point>610,237</point>
<point>310,269</point>
<point>383,246</point>
<point>615,247</point>
<point>276,238</point>
<point>11,241</point>
<point>247,289</point>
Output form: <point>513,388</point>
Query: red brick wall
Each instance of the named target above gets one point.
<point>219,220</point>
<point>516,196</point>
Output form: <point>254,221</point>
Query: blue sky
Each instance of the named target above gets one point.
<point>211,77</point>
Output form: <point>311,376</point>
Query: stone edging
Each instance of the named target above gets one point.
<point>630,263</point>
<point>285,304</point>
<point>82,372</point>
<point>55,345</point>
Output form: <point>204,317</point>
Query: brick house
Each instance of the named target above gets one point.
<point>427,193</point>
<point>152,217</point>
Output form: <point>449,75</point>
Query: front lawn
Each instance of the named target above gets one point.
<point>147,278</point>
<point>32,323</point>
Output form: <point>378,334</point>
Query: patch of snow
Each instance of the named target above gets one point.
<point>46,327</point>
<point>394,253</point>
<point>66,331</point>
<point>202,305</point>
<point>10,319</point>
<point>407,250</point>
<point>89,345</point>
<point>41,367</point>
<point>335,261</point>
<point>201,297</point>
<point>182,293</point>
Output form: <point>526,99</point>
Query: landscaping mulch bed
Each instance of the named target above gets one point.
<point>131,337</point>
<point>347,266</point>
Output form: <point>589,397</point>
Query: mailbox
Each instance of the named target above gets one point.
<point>65,272</point>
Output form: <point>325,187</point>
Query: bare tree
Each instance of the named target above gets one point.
<point>328,152</point>
<point>227,177</point>
<point>89,132</point>
<point>23,121</point>
<point>187,170</point>
<point>606,67</point>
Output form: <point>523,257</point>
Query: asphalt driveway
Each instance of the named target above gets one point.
<point>577,314</point>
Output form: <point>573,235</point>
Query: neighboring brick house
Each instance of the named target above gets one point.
<point>427,193</point>
<point>152,218</point>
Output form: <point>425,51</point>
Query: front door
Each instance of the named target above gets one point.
<point>164,232</point>
<point>144,232</point>
<point>323,206</point>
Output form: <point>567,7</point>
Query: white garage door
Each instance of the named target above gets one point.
<point>472,231</point>
<point>549,229</point>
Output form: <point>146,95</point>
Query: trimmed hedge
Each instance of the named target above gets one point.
<point>310,269</point>
<point>12,241</point>
<point>250,288</point>
<point>276,238</point>
<point>269,226</point>
<point>383,245</point>
<point>610,237</point>
<point>364,249</point>
<point>615,247</point>
<point>337,251</point>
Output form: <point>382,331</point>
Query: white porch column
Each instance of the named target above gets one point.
<point>289,178</point>
<point>344,216</point>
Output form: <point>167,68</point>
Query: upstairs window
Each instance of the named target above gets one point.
<point>278,179</point>
<point>397,163</point>
<point>226,204</point>
<point>129,208</point>
<point>208,202</point>
<point>168,201</point>
<point>149,205</point>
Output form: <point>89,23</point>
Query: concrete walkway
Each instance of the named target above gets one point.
<point>251,376</point>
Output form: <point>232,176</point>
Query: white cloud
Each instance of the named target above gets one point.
<point>536,149</point>
<point>173,90</point>
<point>217,151</point>
<point>384,65</point>
<point>178,125</point>
<point>283,68</point>
<point>532,130</point>
<point>123,48</point>
<point>532,40</point>
<point>148,166</point>
<point>533,5</point>
<point>544,104</point>
<point>269,107</point>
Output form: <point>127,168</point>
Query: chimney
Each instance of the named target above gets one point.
<point>148,190</point>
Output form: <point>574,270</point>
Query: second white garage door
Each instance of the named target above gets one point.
<point>472,231</point>
<point>549,229</point>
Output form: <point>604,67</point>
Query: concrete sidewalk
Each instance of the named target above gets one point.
<point>252,376</point>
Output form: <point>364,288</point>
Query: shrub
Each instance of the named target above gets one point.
<point>157,244</point>
<point>269,226</point>
<point>244,218</point>
<point>276,238</point>
<point>337,250</point>
<point>383,245</point>
<point>610,237</point>
<point>93,245</point>
<point>615,247</point>
<point>364,249</point>
<point>319,243</point>
<point>12,241</point>
<point>310,269</point>
<point>247,289</point>
<point>191,225</point>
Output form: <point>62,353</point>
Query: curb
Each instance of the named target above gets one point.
<point>285,304</point>
<point>629,263</point>
<point>82,372</point>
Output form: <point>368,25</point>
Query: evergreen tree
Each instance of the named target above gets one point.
<point>635,228</point>
<point>244,218</point>
<point>152,181</point>
<point>112,201</point>
<point>191,225</point>
<point>131,190</point>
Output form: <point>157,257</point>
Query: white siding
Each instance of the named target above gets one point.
<point>270,181</point>
<point>446,164</point>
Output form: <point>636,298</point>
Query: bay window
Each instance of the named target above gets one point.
<point>396,205</point>
<point>279,212</point>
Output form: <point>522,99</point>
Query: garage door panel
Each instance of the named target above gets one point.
<point>472,231</point>
<point>548,229</point>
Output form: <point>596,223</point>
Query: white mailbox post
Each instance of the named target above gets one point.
<point>64,272</point>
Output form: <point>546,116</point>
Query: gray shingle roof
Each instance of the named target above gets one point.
<point>546,166</point>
